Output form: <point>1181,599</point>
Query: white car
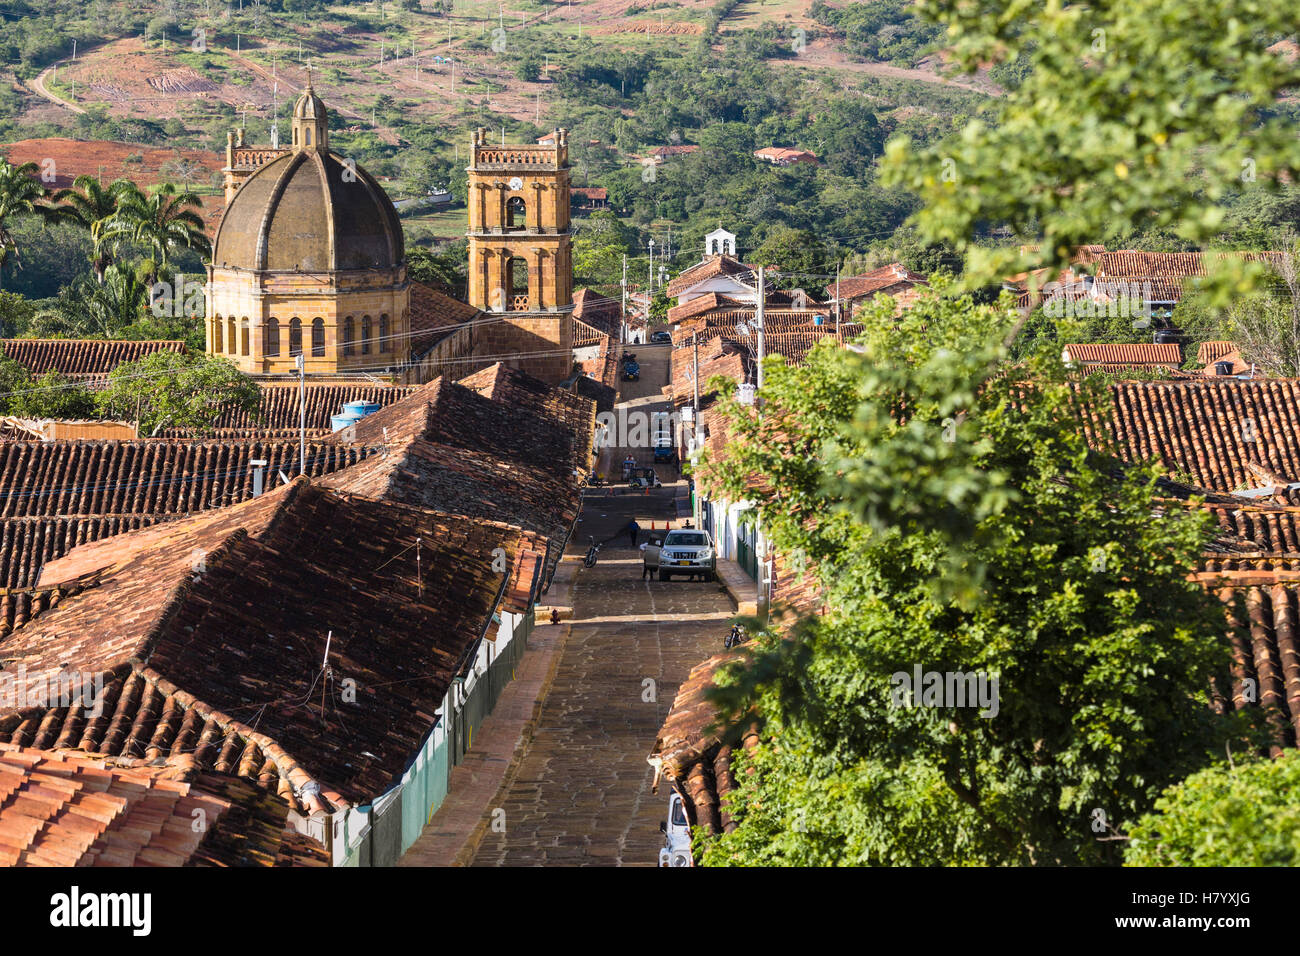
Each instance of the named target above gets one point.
<point>677,835</point>
<point>683,551</point>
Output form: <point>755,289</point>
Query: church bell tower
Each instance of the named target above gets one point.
<point>520,252</point>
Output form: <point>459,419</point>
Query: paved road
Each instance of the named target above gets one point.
<point>581,795</point>
<point>41,89</point>
<point>582,791</point>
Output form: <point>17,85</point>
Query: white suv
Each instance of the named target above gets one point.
<point>683,551</point>
<point>677,835</point>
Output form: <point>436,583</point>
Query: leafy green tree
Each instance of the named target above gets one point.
<point>958,521</point>
<point>93,206</point>
<point>799,256</point>
<point>162,222</point>
<point>20,195</point>
<point>50,396</point>
<point>171,390</point>
<point>1243,815</point>
<point>54,396</point>
<point>16,313</point>
<point>1133,116</point>
<point>443,269</point>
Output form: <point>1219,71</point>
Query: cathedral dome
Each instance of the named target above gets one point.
<point>308,211</point>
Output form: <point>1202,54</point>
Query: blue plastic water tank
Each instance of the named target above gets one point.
<point>360,408</point>
<point>340,422</point>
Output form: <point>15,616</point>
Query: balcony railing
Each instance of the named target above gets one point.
<point>519,303</point>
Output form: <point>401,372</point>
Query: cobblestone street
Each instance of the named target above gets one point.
<point>581,794</point>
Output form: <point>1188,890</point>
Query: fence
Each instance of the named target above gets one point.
<point>378,835</point>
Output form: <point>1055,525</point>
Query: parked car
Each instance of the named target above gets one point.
<point>682,551</point>
<point>677,834</point>
<point>661,336</point>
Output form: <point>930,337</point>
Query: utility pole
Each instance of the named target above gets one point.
<point>652,280</point>
<point>837,298</point>
<point>695,380</point>
<point>302,411</point>
<point>622,326</point>
<point>758,320</point>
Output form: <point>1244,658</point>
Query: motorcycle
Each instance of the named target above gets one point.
<point>735,638</point>
<point>590,560</point>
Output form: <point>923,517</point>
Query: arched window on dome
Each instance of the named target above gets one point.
<point>367,334</point>
<point>231,341</point>
<point>307,132</point>
<point>349,336</point>
<point>243,336</point>
<point>217,346</point>
<point>383,334</point>
<point>273,338</point>
<point>516,214</point>
<point>295,336</point>
<point>318,338</point>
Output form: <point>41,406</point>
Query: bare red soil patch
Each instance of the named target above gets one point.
<point>73,158</point>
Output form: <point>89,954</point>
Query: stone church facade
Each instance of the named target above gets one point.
<point>309,259</point>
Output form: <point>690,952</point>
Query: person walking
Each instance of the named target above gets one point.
<point>632,529</point>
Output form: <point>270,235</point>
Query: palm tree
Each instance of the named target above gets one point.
<point>19,195</point>
<point>161,223</point>
<point>92,205</point>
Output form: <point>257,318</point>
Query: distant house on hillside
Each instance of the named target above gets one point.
<point>588,198</point>
<point>658,155</point>
<point>785,156</point>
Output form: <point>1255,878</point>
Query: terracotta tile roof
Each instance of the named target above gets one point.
<point>434,316</point>
<point>80,358</point>
<point>708,268</point>
<point>1208,352</point>
<point>589,192</point>
<point>717,356</point>
<point>1134,355</point>
<point>279,410</point>
<point>885,280</point>
<point>795,346</point>
<point>1262,613</point>
<point>599,380</point>
<point>1129,263</point>
<point>147,477</point>
<point>784,154</point>
<point>701,304</point>
<point>62,809</point>
<point>218,630</point>
<point>1262,529</point>
<point>27,543</point>
<point>1238,365</point>
<point>694,748</point>
<point>795,586</point>
<point>450,448</point>
<point>515,389</point>
<point>727,322</point>
<point>1211,430</point>
<point>666,151</point>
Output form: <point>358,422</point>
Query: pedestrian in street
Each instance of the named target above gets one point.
<point>632,529</point>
